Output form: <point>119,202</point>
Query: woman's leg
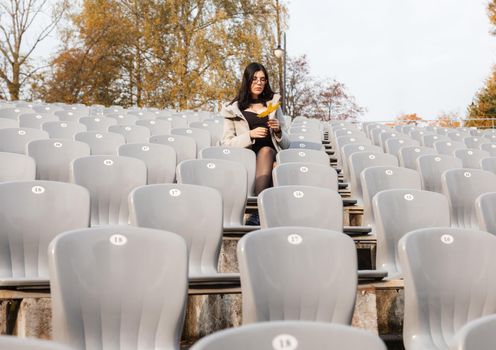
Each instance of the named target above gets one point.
<point>263,175</point>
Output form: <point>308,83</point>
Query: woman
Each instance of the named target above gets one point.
<point>247,125</point>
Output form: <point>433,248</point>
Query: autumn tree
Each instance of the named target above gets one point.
<point>447,120</point>
<point>407,119</point>
<point>482,111</point>
<point>20,35</point>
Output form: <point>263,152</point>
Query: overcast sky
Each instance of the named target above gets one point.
<point>397,56</point>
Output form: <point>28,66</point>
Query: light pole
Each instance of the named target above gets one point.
<point>280,53</point>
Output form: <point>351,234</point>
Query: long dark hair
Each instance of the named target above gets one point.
<point>244,97</point>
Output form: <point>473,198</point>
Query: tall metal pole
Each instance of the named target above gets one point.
<point>284,78</point>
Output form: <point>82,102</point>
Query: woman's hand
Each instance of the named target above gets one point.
<point>274,125</point>
<point>259,133</point>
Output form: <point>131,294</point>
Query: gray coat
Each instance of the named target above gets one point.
<point>237,130</point>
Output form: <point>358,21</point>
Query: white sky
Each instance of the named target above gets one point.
<point>397,56</point>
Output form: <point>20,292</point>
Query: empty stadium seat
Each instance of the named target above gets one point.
<point>408,155</point>
<point>185,146</point>
<point>490,148</point>
<point>97,124</point>
<point>458,135</point>
<point>35,120</point>
<point>305,206</point>
<point>156,126</point>
<point>484,210</point>
<point>477,334</point>
<point>15,140</point>
<point>8,123</point>
<point>160,160</point>
<point>471,157</point>
<point>123,119</point>
<point>109,179</point>
<point>201,136</point>
<point>462,187</point>
<point>432,166</point>
<point>276,263</point>
<point>16,167</point>
<point>132,133</point>
<point>299,335</point>
<point>298,155</point>
<point>213,126</point>
<point>306,145</point>
<point>449,280</point>
<point>393,145</point>
<point>101,143</point>
<point>475,142</point>
<point>348,150</point>
<point>99,296</point>
<point>399,211</point>
<point>448,147</point>
<point>18,343</point>
<point>32,213</point>
<point>63,129</point>
<point>379,178</point>
<point>306,174</point>
<point>429,139</point>
<point>53,157</point>
<point>226,176</point>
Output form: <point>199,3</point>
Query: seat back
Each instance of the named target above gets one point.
<point>243,155</point>
<point>15,140</point>
<point>429,139</point>
<point>393,145</point>
<point>477,334</point>
<point>132,133</point>
<point>471,157</point>
<point>32,213</point>
<point>448,147</point>
<point>379,178</point>
<point>213,126</point>
<point>35,120</point>
<point>18,343</point>
<point>226,176</point>
<point>160,160</point>
<point>306,174</point>
<point>63,129</point>
<point>449,281</point>
<point>275,263</point>
<point>462,187</point>
<point>191,211</point>
<point>348,150</point>
<point>156,126</point>
<point>489,147</point>
<point>458,135</point>
<point>185,146</point>
<point>101,143</point>
<point>16,167</point>
<point>484,210</point>
<point>306,156</point>
<point>306,145</point>
<point>475,141</point>
<point>408,155</point>
<point>347,140</point>
<point>97,124</point>
<point>6,123</point>
<point>359,161</point>
<point>399,211</point>
<point>53,157</point>
<point>109,179</point>
<point>432,166</point>
<point>297,205</point>
<point>201,136</point>
<point>97,283</point>
<point>299,335</point>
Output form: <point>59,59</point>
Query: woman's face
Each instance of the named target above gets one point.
<point>258,83</point>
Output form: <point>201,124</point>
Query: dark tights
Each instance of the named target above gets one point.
<point>266,157</point>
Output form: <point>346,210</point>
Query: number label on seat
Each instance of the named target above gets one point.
<point>298,194</point>
<point>285,342</point>
<point>145,148</point>
<point>211,166</point>
<point>409,197</point>
<point>304,169</point>
<point>108,162</point>
<point>37,189</point>
<point>175,192</point>
<point>118,239</point>
<point>447,239</point>
<point>226,151</point>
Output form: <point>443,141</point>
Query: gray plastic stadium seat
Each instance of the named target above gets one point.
<point>185,146</point>
<point>118,287</point>
<point>359,161</point>
<point>462,187</point>
<point>213,126</point>
<point>448,147</point>
<point>490,148</point>
<point>109,179</point>
<point>449,280</point>
<point>237,154</point>
<point>311,135</point>
<point>384,136</point>
<point>13,113</point>
<point>123,119</point>
<point>160,160</point>
<point>306,145</point>
<point>156,126</point>
<point>202,137</point>
<point>18,343</point>
<point>53,157</point>
<point>305,174</point>
<point>306,156</point>
<point>70,116</point>
<point>475,142</point>
<point>15,140</point>
<point>400,211</point>
<point>31,215</point>
<point>348,140</point>
<point>305,206</point>
<point>101,143</point>
<point>226,176</point>
<point>458,135</point>
<point>97,124</point>
<point>476,335</point>
<point>484,210</point>
<point>193,212</point>
<point>432,166</point>
<point>429,139</point>
<point>299,335</point>
<point>375,134</point>
<point>393,145</point>
<point>408,155</point>
<point>175,121</point>
<point>488,164</point>
<point>471,157</point>
<point>348,150</point>
<point>379,178</point>
<point>8,123</point>
<point>419,134</point>
<point>63,129</point>
<point>35,120</point>
<point>275,263</point>
<point>16,167</point>
<point>132,133</point>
